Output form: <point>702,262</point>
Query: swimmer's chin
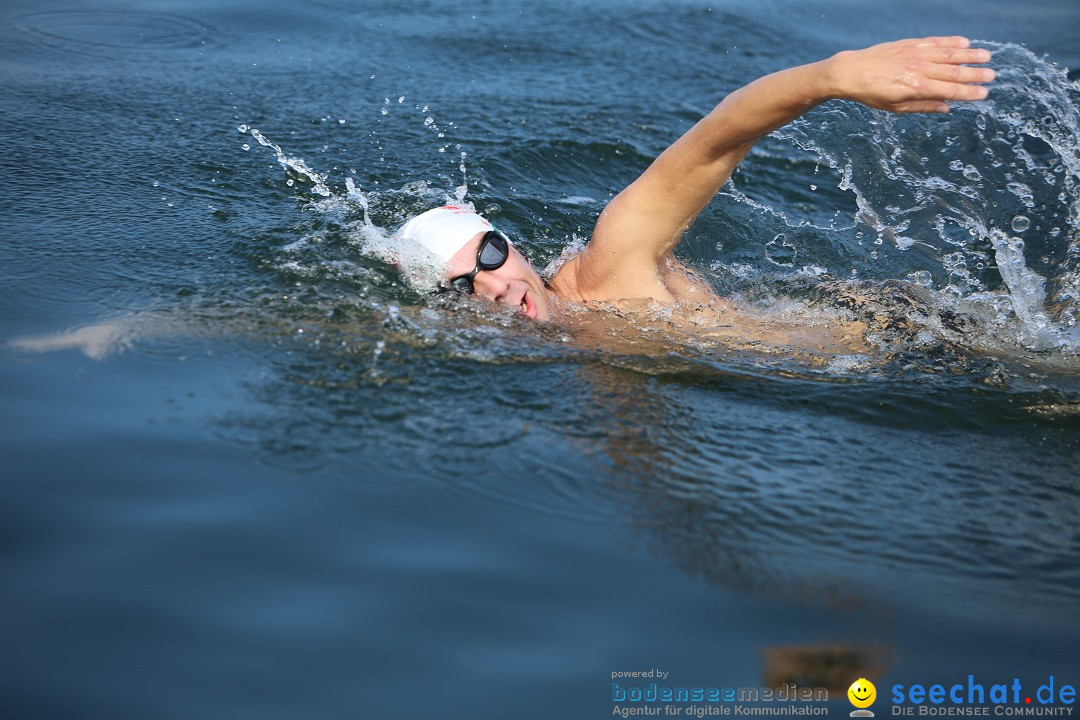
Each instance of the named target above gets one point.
<point>528,306</point>
<point>540,306</point>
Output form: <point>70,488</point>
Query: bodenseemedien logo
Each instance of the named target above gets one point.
<point>700,702</point>
<point>862,694</point>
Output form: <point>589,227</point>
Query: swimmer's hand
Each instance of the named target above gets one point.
<point>910,76</point>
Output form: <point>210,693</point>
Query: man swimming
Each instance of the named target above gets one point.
<point>630,254</point>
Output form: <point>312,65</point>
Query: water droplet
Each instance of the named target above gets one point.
<point>921,277</point>
<point>813,187</point>
<point>245,146</point>
<point>401,99</point>
<point>493,209</point>
<point>428,120</point>
<point>384,111</point>
<point>289,182</point>
<point>242,128</point>
<point>155,183</point>
<point>1020,223</point>
<point>341,121</point>
<point>780,252</point>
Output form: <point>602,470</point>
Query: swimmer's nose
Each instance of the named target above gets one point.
<point>490,287</point>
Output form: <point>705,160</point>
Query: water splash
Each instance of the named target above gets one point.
<point>293,166</point>
<point>948,197</point>
<point>369,220</point>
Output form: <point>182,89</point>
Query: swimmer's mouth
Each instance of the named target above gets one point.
<point>527,306</point>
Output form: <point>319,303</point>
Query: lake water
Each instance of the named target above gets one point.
<point>249,470</point>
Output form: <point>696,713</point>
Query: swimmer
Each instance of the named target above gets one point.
<point>629,264</point>
<point>629,258</point>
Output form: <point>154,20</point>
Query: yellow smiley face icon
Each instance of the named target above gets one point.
<point>862,693</point>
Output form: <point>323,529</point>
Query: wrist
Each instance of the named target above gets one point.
<point>833,83</point>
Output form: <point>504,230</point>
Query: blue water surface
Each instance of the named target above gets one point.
<point>250,471</point>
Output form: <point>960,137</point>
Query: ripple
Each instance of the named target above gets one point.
<point>92,32</point>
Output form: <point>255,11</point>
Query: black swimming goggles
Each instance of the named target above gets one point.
<point>494,249</point>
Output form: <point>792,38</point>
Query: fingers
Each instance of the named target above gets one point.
<point>951,79</point>
<point>949,50</point>
<point>948,73</point>
<point>951,41</point>
<point>924,106</point>
<point>953,91</point>
<point>955,56</point>
<point>959,73</point>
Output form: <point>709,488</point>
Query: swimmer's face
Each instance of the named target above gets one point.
<point>515,283</point>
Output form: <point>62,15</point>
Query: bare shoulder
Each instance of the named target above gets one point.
<point>564,283</point>
<point>667,280</point>
<point>589,277</point>
<point>685,284</point>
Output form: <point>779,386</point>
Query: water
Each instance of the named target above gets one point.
<point>252,469</point>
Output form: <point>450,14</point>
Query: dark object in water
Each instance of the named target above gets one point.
<point>832,667</point>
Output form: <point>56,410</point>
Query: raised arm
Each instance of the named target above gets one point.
<point>647,219</point>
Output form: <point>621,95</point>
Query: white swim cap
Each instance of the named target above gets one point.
<point>444,230</point>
